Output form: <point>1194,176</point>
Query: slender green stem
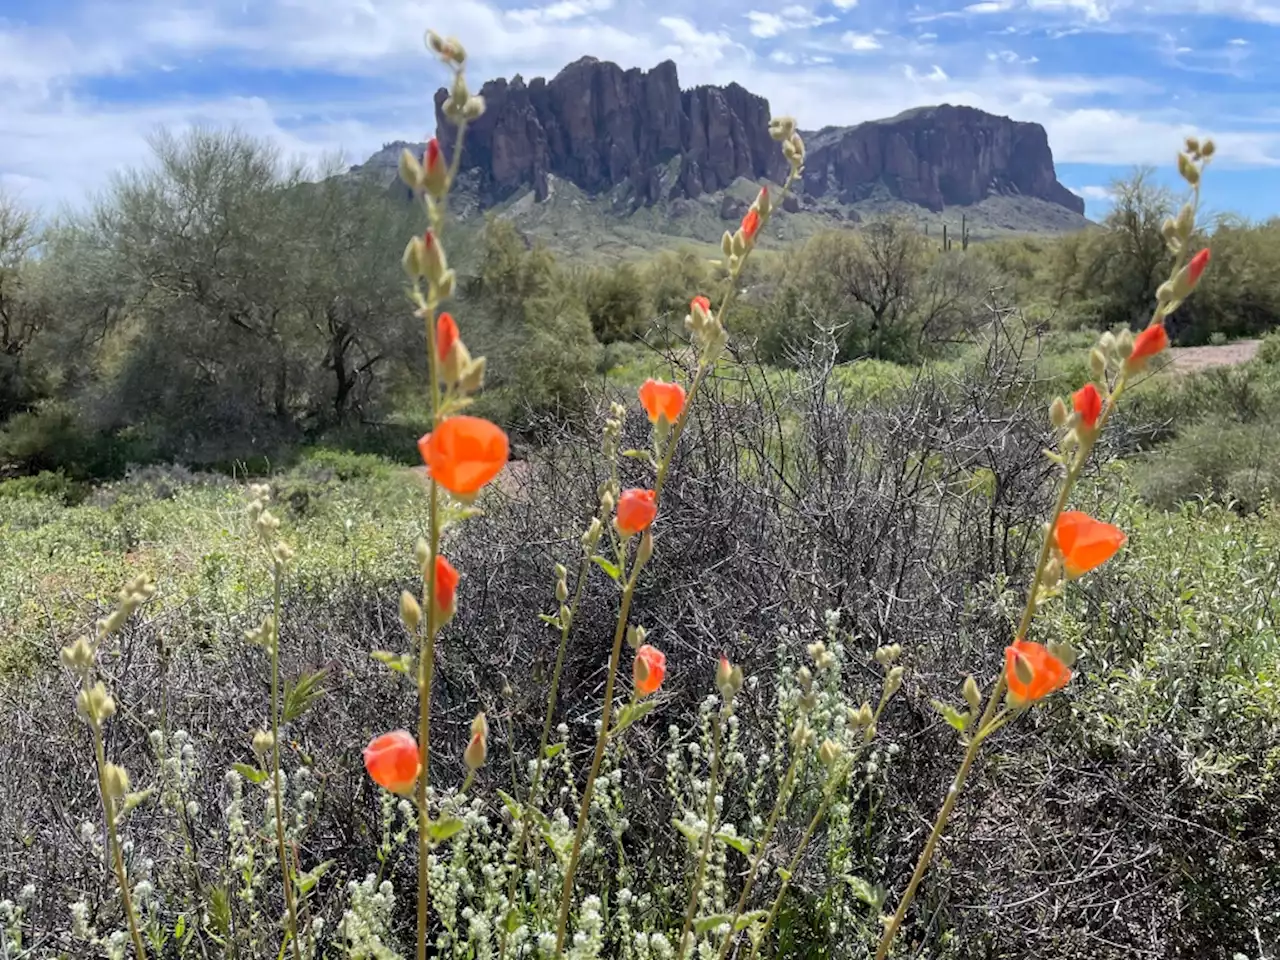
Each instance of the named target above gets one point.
<point>427,644</point>
<point>535,787</point>
<point>696,889</point>
<point>761,846</point>
<point>794,864</point>
<point>113,840</point>
<point>606,715</point>
<point>427,656</point>
<point>281,849</point>
<point>989,722</point>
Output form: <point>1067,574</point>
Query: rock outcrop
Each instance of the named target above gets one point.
<point>936,157</point>
<point>600,127</point>
<point>637,134</point>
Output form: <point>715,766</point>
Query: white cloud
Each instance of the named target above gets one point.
<point>1092,9</point>
<point>860,42</point>
<point>988,6</point>
<point>934,75</point>
<point>560,11</point>
<point>845,4</point>
<point>783,57</point>
<point>1099,194</point>
<point>766,25</point>
<point>1237,42</point>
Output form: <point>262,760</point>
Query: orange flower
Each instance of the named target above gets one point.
<point>1085,543</point>
<point>1148,343</point>
<point>1088,403</point>
<point>1196,267</point>
<point>392,761</point>
<point>648,670</point>
<point>636,510</point>
<point>700,304</point>
<point>661,399</point>
<point>446,335</point>
<point>1032,672</point>
<point>446,595</point>
<point>464,453</point>
<point>751,224</point>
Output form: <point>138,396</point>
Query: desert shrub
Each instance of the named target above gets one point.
<point>1269,350</point>
<point>617,302</point>
<point>55,485</point>
<point>1219,458</point>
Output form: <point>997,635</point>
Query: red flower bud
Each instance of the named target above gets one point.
<point>1148,343</point>
<point>649,669</point>
<point>446,335</point>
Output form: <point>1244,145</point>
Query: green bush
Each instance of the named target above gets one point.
<point>1218,458</point>
<point>54,485</point>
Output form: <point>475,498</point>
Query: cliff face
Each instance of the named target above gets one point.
<point>599,127</point>
<point>936,157</point>
<point>604,128</point>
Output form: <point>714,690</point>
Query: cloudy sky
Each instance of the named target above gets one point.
<point>1116,82</point>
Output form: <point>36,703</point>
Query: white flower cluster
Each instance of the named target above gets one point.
<point>366,922</point>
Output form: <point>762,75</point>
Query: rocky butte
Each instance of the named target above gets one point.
<point>636,134</point>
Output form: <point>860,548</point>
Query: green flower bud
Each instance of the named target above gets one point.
<point>1057,412</point>
<point>263,743</point>
<point>972,694</point>
<point>410,611</point>
<point>115,781</point>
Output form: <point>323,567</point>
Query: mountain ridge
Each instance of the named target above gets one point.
<point>603,127</point>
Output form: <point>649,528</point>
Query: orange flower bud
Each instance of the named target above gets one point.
<point>1085,543</point>
<point>1088,403</point>
<point>661,399</point>
<point>432,160</point>
<point>392,761</point>
<point>1032,672</point>
<point>636,511</point>
<point>700,304</point>
<point>1147,344</point>
<point>445,597</point>
<point>464,453</point>
<point>435,172</point>
<point>478,747</point>
<point>1196,267</point>
<point>649,669</point>
<point>446,335</point>
<point>751,224</point>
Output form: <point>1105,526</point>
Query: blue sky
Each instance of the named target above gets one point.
<point>83,83</point>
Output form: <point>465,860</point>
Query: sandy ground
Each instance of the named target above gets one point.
<point>1191,359</point>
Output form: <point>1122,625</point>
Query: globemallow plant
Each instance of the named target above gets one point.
<point>527,902</point>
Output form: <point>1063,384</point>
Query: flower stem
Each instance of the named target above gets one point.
<point>761,846</point>
<point>536,786</point>
<point>113,840</point>
<point>821,812</point>
<point>281,849</point>
<point>990,722</point>
<point>427,656</point>
<point>606,715</point>
<point>696,889</point>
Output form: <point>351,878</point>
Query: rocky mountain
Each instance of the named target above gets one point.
<point>602,128</point>
<point>606,162</point>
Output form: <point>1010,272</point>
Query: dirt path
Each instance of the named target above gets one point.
<point>1193,359</point>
